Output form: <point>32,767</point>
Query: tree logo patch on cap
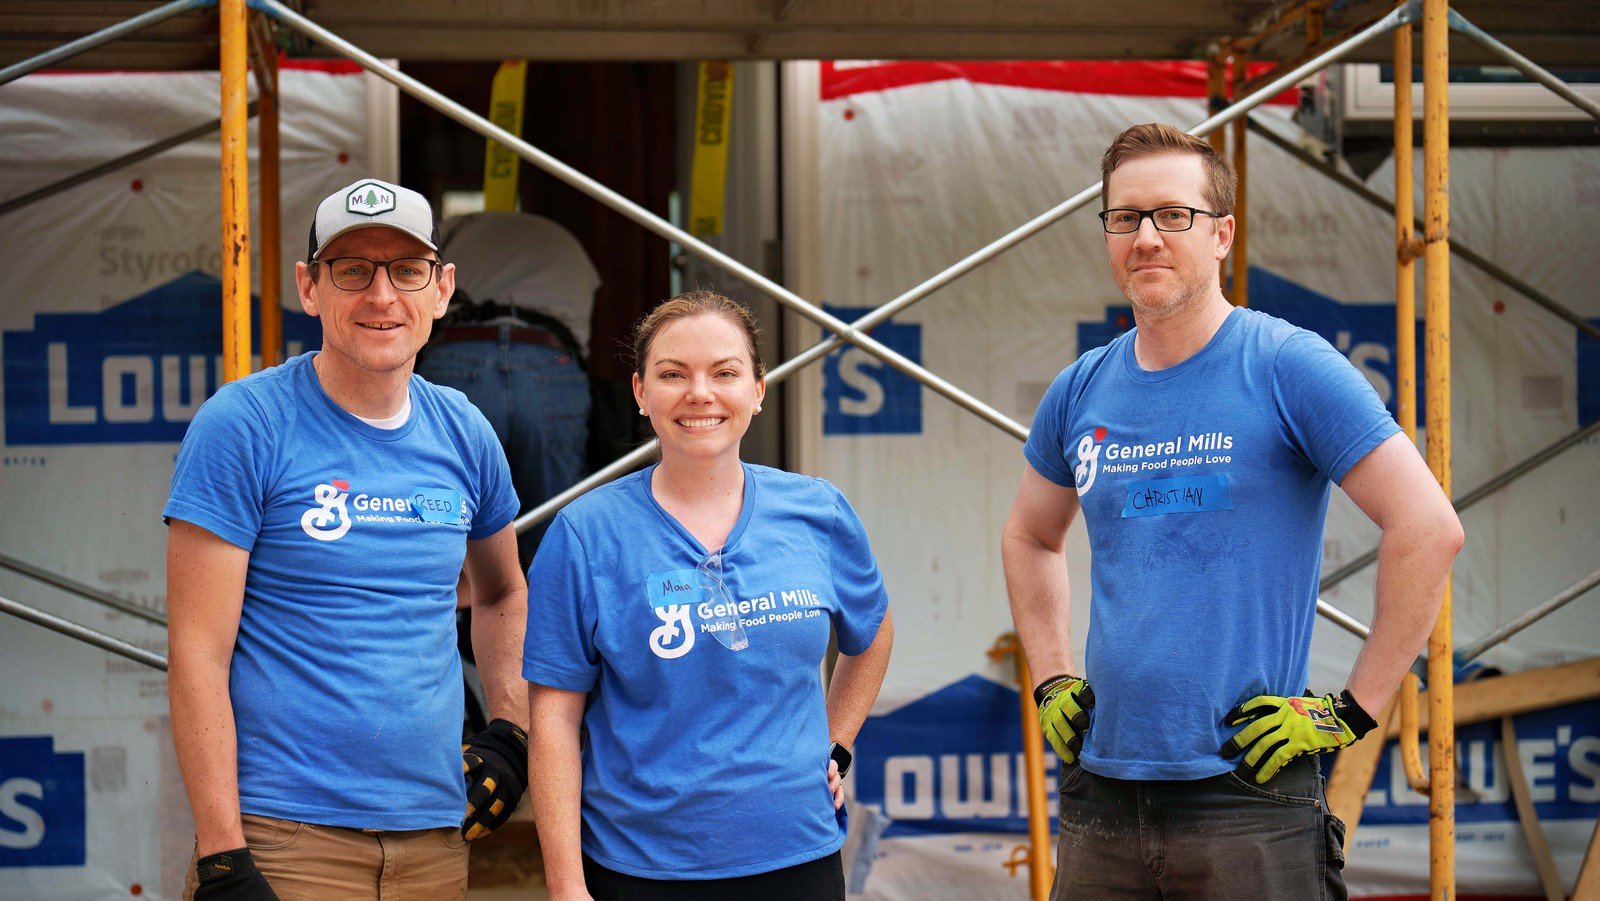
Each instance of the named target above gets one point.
<point>369,199</point>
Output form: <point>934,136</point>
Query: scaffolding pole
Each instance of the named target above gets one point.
<point>1522,64</point>
<point>1040,860</point>
<point>1344,620</point>
<point>1271,88</point>
<point>1489,267</point>
<point>983,255</point>
<point>82,633</point>
<point>1240,295</point>
<point>1436,257</point>
<point>1041,867</point>
<point>643,217</point>
<point>127,159</point>
<point>1407,249</point>
<point>1216,102</point>
<point>87,592</point>
<point>270,304</point>
<point>103,36</point>
<point>1571,593</point>
<point>235,37</point>
<point>1471,498</point>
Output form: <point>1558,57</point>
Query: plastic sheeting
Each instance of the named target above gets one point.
<point>922,164</point>
<point>112,338</point>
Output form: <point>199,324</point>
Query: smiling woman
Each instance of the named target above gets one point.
<point>712,753</point>
<point>699,379</point>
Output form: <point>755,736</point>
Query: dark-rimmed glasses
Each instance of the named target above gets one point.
<point>356,273</point>
<point>1165,219</point>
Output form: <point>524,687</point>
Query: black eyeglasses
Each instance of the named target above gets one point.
<point>1165,219</point>
<point>356,273</point>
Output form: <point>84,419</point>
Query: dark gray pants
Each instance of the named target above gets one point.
<point>1217,838</point>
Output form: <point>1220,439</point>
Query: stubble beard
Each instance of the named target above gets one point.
<point>1152,305</point>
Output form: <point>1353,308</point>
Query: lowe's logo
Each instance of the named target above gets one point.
<point>42,806</point>
<point>861,394</point>
<point>1559,749</point>
<point>950,762</point>
<point>134,373</point>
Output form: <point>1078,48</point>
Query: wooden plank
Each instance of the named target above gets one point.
<point>1352,775</point>
<point>1509,695</point>
<point>1588,887</point>
<point>1543,862</point>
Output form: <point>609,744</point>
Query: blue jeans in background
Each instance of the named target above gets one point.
<point>1216,839</point>
<point>537,400</point>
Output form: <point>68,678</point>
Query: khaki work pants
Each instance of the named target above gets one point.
<point>307,862</point>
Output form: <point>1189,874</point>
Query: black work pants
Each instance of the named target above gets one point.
<point>1217,839</point>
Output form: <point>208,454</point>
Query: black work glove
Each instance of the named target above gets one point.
<point>496,763</point>
<point>231,876</point>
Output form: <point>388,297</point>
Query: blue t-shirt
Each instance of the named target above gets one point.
<point>702,762</point>
<point>346,683</point>
<point>1204,488</point>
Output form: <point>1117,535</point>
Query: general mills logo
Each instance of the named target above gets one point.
<point>328,520</point>
<point>42,806</point>
<point>1088,460</point>
<point>671,596</point>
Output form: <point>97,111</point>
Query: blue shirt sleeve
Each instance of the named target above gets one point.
<point>223,464</point>
<point>1045,449</point>
<point>857,584</point>
<point>559,648</point>
<point>497,502</point>
<point>1329,410</point>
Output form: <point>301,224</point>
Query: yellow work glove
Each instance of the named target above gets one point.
<point>1064,705</point>
<point>1277,730</point>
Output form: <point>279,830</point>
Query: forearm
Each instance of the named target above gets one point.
<point>206,743</point>
<point>498,625</point>
<point>1413,564</point>
<point>855,685</point>
<point>556,786</point>
<point>1041,604</point>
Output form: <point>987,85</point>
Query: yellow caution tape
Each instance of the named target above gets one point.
<point>708,176</point>
<point>500,165</point>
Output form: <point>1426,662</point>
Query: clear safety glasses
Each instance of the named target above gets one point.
<point>724,622</point>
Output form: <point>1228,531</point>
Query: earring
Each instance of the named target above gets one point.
<point>642,412</point>
<point>758,408</point>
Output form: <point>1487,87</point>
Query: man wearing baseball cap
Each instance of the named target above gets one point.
<point>321,513</point>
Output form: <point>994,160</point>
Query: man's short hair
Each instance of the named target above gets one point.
<point>1156,138</point>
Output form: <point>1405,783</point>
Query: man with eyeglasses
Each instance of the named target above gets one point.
<point>321,513</point>
<point>1201,447</point>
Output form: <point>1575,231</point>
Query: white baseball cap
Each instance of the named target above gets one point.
<point>371,203</point>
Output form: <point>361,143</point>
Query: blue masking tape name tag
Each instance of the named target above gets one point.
<point>1186,494</point>
<point>675,586</point>
<point>440,505</point>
